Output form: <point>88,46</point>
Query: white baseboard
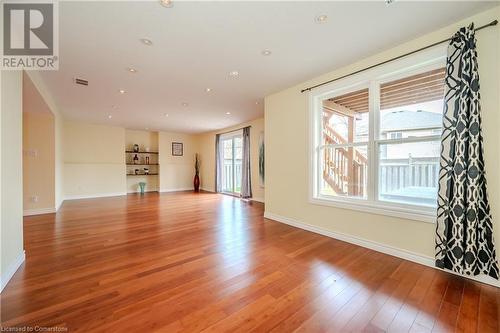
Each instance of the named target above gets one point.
<point>91,196</point>
<point>176,189</point>
<point>139,191</point>
<point>59,204</point>
<point>11,270</point>
<point>379,247</point>
<point>258,199</point>
<point>207,190</point>
<point>39,211</point>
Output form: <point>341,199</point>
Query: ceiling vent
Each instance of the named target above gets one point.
<point>82,82</point>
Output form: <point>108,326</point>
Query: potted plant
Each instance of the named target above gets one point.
<point>196,181</point>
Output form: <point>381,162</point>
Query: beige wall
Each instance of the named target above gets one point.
<point>34,76</point>
<point>177,172</point>
<point>38,161</point>
<point>286,124</point>
<point>38,151</point>
<point>94,160</point>
<point>12,252</point>
<point>144,139</point>
<point>2,283</point>
<point>207,152</point>
<point>59,160</point>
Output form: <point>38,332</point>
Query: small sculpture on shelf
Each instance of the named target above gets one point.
<point>146,171</point>
<point>136,159</point>
<point>136,171</point>
<point>147,159</point>
<point>136,148</point>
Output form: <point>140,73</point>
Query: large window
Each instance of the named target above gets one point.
<point>376,140</point>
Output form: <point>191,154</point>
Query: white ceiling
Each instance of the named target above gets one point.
<point>197,44</point>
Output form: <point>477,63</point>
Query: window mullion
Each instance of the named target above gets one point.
<point>345,145</point>
<point>410,140</point>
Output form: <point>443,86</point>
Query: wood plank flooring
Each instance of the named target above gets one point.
<point>188,262</point>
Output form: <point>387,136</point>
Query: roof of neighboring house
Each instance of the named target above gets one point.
<point>403,120</point>
<point>406,120</point>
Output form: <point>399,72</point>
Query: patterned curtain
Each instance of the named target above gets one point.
<point>246,184</point>
<point>464,239</point>
<point>219,161</point>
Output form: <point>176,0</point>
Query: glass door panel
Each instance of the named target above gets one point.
<point>238,157</point>
<point>227,170</point>
<point>231,172</point>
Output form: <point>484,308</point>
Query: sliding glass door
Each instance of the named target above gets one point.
<point>232,144</point>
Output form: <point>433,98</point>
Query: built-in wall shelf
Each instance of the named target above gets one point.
<point>143,148</point>
<point>141,164</point>
<point>141,152</point>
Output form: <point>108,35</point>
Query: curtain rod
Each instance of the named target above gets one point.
<point>235,130</point>
<point>491,24</point>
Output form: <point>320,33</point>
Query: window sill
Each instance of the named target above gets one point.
<point>415,213</point>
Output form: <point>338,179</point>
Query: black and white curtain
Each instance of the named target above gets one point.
<point>464,235</point>
<point>219,163</point>
<point>246,183</point>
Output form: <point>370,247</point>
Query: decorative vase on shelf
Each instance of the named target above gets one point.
<point>136,148</point>
<point>136,159</point>
<point>196,181</point>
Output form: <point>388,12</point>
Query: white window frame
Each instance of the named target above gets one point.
<point>418,63</point>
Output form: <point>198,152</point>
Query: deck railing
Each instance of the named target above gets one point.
<point>396,174</point>
<point>227,184</point>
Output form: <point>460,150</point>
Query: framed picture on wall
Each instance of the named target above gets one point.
<point>177,149</point>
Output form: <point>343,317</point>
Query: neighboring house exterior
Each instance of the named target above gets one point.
<point>407,124</point>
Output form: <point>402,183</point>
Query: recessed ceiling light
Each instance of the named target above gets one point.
<point>266,52</point>
<point>321,18</point>
<point>147,128</point>
<point>146,41</point>
<point>113,106</point>
<point>122,91</point>
<point>165,114</point>
<point>234,73</point>
<point>228,112</point>
<point>208,89</point>
<point>166,3</point>
<point>185,104</point>
<point>132,70</point>
<point>110,116</point>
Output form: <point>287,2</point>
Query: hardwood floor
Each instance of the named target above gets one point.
<point>207,262</point>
